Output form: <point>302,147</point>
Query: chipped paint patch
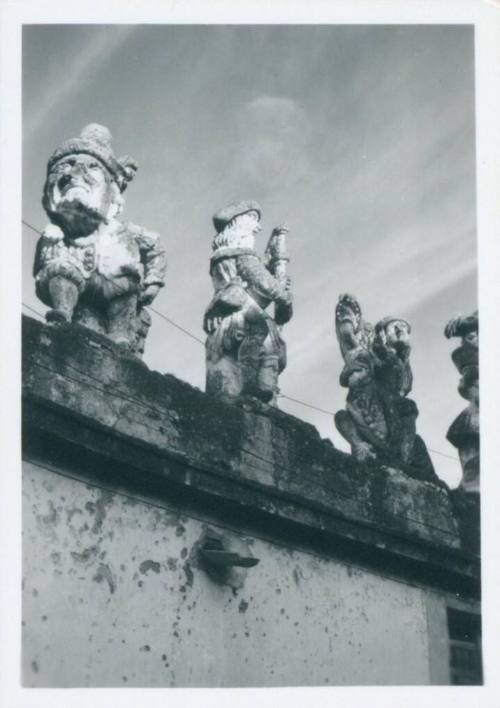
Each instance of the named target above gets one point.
<point>104,573</point>
<point>148,565</point>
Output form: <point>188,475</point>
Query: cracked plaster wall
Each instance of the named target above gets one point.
<point>113,596</point>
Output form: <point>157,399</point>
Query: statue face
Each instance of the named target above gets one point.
<point>397,334</point>
<point>472,338</point>
<point>249,222</point>
<point>83,179</point>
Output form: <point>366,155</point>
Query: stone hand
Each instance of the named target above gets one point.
<point>211,324</point>
<point>360,377</point>
<point>53,233</point>
<point>149,294</point>
<point>275,256</point>
<point>281,229</point>
<point>363,451</point>
<point>286,296</point>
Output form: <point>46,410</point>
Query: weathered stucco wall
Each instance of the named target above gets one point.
<point>113,597</point>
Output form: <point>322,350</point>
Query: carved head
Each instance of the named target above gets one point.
<point>348,310</point>
<point>85,181</point>
<point>394,333</point>
<point>465,327</point>
<point>237,225</point>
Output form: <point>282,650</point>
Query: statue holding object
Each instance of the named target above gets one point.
<point>379,421</point>
<point>245,352</point>
<point>90,267</point>
<point>464,431</point>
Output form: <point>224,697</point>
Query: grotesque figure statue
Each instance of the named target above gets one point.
<point>245,351</point>
<point>90,267</point>
<point>379,420</point>
<point>362,423</point>
<point>464,431</point>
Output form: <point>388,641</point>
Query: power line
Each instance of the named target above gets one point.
<point>31,227</point>
<point>443,454</point>
<point>200,341</point>
<point>167,319</point>
<point>308,405</point>
<point>28,307</point>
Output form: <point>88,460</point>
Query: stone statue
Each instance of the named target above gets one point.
<point>91,268</point>
<point>464,431</point>
<point>379,421</point>
<point>244,350</point>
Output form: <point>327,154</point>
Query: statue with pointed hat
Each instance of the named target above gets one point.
<point>90,267</point>
<point>463,433</point>
<point>245,352</point>
<point>379,420</point>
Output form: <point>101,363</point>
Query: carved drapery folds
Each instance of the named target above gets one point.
<point>379,420</point>
<point>464,431</point>
<point>90,267</point>
<point>245,352</point>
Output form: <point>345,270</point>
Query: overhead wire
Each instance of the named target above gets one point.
<point>32,309</point>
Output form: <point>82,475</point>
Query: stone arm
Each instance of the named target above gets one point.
<point>283,312</point>
<point>389,356</point>
<point>346,336</point>
<point>48,248</point>
<point>394,368</point>
<point>264,287</point>
<point>226,301</point>
<point>358,371</point>
<point>152,256</point>
<point>42,251</point>
<point>53,258</point>
<point>406,378</point>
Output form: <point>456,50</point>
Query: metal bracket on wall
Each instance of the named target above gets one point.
<point>214,554</point>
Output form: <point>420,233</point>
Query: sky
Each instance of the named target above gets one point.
<point>360,138</point>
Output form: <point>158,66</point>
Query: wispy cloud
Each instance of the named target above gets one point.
<point>273,134</point>
<point>61,85</point>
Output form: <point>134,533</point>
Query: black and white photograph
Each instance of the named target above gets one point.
<point>248,392</point>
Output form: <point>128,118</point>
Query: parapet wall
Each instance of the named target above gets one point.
<point>256,464</point>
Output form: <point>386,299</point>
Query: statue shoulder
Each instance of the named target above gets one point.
<point>230,252</point>
<point>139,231</point>
<point>251,267</point>
<point>226,253</point>
<point>249,259</point>
<point>145,238</point>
